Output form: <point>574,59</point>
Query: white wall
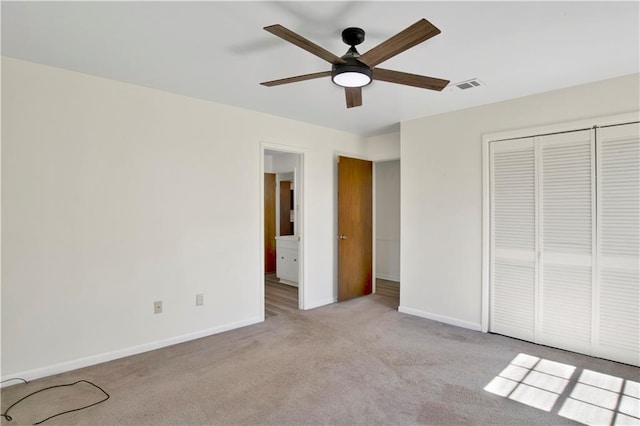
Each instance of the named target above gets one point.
<point>441,200</point>
<point>387,222</point>
<point>383,147</point>
<point>268,163</point>
<point>285,162</point>
<point>115,196</point>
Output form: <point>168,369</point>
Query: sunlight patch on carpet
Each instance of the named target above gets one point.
<point>592,398</point>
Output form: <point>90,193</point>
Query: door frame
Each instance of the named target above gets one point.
<point>486,207</point>
<point>300,179</point>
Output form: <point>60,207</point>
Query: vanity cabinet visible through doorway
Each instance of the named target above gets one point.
<point>287,259</point>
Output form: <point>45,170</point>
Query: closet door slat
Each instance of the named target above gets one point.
<point>513,244</point>
<point>567,178</point>
<point>618,289</point>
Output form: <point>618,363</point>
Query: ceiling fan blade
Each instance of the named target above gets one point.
<point>415,34</point>
<point>407,79</point>
<point>296,78</point>
<point>302,42</point>
<point>354,96</point>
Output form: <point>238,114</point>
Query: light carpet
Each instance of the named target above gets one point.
<point>356,362</point>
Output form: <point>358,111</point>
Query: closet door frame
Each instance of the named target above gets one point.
<point>486,193</point>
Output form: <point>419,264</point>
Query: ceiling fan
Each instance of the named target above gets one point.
<point>353,71</point>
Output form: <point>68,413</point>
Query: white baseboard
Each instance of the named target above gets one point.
<point>388,277</point>
<point>121,353</point>
<point>287,282</point>
<point>441,318</point>
<point>319,303</point>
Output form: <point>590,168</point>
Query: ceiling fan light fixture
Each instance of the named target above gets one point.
<point>354,71</point>
<point>351,75</point>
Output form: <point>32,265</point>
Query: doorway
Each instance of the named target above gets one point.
<point>282,281</point>
<point>369,229</point>
<point>387,230</point>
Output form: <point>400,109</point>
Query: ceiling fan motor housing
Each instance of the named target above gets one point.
<point>353,36</point>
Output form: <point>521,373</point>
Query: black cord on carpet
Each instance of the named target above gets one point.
<point>9,418</point>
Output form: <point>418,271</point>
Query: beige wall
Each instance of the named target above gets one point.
<point>383,147</point>
<point>441,200</point>
<point>115,196</point>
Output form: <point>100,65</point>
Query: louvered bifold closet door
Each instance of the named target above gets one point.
<point>617,335</point>
<point>567,232</point>
<point>513,243</point>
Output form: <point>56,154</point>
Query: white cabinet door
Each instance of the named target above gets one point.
<point>293,261</point>
<point>618,289</point>
<point>287,261</point>
<point>513,242</point>
<point>282,264</point>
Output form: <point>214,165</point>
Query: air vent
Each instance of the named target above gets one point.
<point>466,85</point>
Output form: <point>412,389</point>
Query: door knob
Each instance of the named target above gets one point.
<point>342,237</point>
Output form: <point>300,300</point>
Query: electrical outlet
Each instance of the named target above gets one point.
<point>199,299</point>
<point>157,307</point>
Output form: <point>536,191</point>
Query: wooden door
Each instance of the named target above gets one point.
<point>269,222</point>
<point>286,226</point>
<point>355,220</point>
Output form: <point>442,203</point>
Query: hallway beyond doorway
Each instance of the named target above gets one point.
<point>278,297</point>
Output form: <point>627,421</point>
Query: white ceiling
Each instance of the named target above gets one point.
<point>218,51</point>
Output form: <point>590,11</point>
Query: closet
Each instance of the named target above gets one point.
<point>565,240</point>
